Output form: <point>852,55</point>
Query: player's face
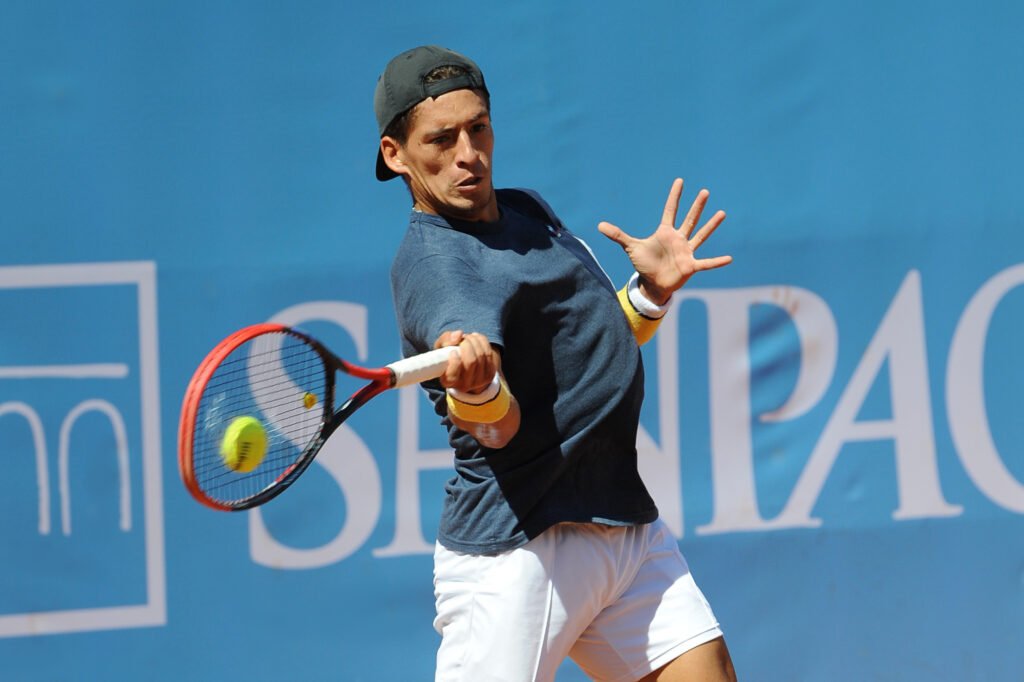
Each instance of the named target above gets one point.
<point>447,157</point>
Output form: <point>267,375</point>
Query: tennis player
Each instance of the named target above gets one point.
<point>549,544</point>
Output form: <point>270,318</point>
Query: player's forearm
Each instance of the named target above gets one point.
<point>494,435</point>
<point>491,416</point>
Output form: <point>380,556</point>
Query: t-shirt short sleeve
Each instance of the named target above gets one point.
<point>442,293</point>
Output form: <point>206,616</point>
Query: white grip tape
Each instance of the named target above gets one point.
<point>423,367</point>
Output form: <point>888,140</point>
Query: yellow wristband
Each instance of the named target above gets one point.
<point>485,413</point>
<point>643,327</point>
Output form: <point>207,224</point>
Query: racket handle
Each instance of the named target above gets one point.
<point>423,367</point>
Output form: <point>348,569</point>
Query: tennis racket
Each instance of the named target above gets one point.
<point>267,392</point>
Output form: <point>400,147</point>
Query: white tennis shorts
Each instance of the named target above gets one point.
<point>619,600</point>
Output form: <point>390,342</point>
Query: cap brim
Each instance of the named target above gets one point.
<point>383,172</point>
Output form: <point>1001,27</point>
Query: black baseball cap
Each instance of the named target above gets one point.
<point>402,86</point>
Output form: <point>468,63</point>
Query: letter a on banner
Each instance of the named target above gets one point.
<point>900,340</point>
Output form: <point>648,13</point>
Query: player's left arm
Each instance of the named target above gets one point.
<point>665,260</point>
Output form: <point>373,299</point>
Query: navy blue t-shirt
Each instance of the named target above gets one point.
<point>570,360</point>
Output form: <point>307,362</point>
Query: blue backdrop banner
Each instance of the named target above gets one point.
<point>831,426</point>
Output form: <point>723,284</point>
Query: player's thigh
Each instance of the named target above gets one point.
<point>709,662</point>
<point>501,617</point>
<point>660,616</point>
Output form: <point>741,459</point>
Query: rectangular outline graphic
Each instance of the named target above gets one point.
<point>154,612</point>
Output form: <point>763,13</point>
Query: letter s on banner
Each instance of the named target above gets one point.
<point>345,457</point>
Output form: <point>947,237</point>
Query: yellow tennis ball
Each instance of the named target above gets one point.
<point>244,444</point>
<point>309,400</point>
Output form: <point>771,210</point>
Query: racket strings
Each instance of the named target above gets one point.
<point>281,381</point>
<point>259,364</point>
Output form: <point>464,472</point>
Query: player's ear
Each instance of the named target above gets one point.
<point>391,151</point>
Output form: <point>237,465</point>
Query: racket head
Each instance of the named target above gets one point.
<point>279,376</point>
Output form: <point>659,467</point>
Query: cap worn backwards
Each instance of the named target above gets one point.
<point>403,85</point>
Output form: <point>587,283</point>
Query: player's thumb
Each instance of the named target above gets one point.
<point>449,338</point>
<point>614,233</point>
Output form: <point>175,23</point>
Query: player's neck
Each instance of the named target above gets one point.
<point>487,213</point>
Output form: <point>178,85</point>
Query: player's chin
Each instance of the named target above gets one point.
<point>470,205</point>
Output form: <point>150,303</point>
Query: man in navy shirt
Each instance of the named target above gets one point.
<point>549,544</point>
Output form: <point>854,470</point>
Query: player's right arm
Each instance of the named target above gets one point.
<point>479,400</point>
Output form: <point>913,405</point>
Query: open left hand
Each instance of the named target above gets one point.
<point>665,260</point>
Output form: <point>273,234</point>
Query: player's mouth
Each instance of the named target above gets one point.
<point>470,185</point>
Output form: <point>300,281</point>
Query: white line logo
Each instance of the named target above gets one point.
<point>128,444</point>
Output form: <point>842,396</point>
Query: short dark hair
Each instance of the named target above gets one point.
<point>401,124</point>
